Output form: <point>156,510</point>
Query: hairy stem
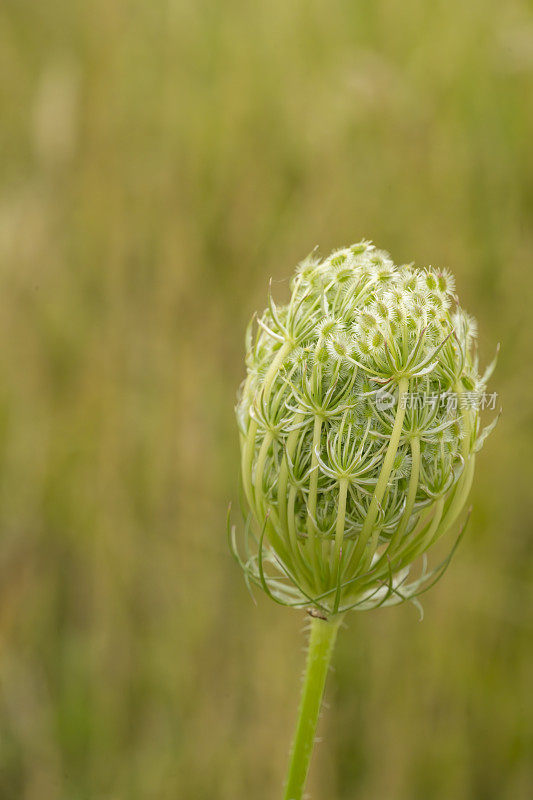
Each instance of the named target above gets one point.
<point>321,641</point>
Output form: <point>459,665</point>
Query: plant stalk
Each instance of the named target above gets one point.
<point>321,641</point>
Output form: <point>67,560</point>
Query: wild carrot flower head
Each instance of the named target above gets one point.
<point>359,423</point>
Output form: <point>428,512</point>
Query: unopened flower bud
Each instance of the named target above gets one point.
<point>346,492</point>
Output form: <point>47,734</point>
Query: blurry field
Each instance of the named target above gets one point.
<point>159,162</point>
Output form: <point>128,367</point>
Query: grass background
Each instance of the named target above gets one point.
<point>159,161</point>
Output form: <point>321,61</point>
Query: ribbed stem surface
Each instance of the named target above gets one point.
<point>321,642</point>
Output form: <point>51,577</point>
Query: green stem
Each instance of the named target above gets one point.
<point>311,504</point>
<point>249,443</point>
<point>321,641</point>
<point>381,485</point>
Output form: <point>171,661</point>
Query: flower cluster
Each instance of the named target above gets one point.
<point>345,492</point>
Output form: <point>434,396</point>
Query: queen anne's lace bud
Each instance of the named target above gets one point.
<point>357,438</point>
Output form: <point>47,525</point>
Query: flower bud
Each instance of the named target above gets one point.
<point>359,423</point>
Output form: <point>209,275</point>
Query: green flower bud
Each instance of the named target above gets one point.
<point>357,441</point>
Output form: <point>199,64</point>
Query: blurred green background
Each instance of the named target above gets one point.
<point>160,161</point>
